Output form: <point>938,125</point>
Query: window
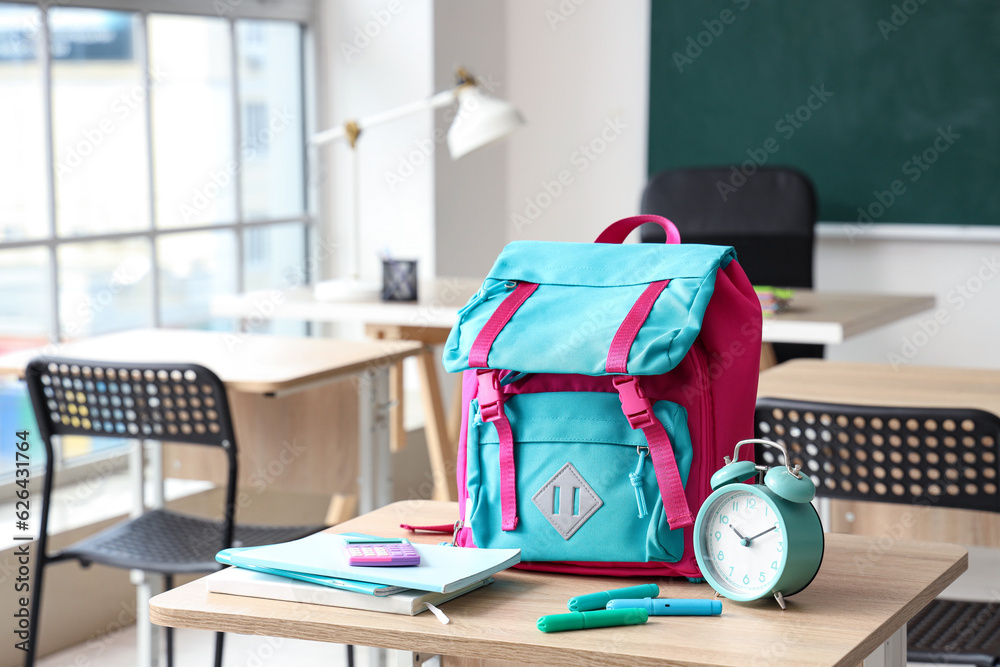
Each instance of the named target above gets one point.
<point>158,161</point>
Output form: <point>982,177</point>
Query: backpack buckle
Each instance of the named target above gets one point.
<point>637,408</point>
<point>490,395</point>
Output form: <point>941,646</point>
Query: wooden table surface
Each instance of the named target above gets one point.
<point>833,317</point>
<point>865,591</point>
<point>259,364</point>
<point>880,384</point>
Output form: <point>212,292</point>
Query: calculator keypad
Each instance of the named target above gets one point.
<point>382,554</point>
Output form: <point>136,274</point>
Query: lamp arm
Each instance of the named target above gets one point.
<point>442,99</point>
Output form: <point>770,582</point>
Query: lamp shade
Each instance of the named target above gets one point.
<point>480,120</point>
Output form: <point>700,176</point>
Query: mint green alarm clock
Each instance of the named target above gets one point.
<point>756,540</point>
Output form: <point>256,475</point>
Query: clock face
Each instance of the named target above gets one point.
<point>741,540</point>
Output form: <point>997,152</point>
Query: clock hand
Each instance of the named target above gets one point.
<point>744,541</point>
<point>763,533</point>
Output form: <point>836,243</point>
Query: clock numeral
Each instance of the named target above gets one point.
<point>718,535</point>
<point>721,556</point>
<point>762,578</point>
<point>731,568</point>
<point>746,579</point>
<point>781,547</point>
<point>774,565</point>
<point>777,527</point>
<point>751,503</point>
<point>724,520</point>
<point>736,506</point>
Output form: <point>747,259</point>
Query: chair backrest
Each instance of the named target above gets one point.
<point>769,217</point>
<point>945,457</point>
<point>172,402</point>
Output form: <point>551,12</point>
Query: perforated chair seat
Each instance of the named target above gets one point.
<point>940,457</point>
<point>166,542</point>
<point>955,631</point>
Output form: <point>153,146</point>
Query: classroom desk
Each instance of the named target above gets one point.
<point>860,601</point>
<point>813,317</point>
<point>906,385</point>
<point>267,366</point>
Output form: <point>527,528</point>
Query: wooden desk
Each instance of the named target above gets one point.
<point>813,317</point>
<point>830,318</point>
<point>905,386</point>
<point>257,369</point>
<point>863,596</point>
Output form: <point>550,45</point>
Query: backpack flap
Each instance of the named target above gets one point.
<point>550,307</point>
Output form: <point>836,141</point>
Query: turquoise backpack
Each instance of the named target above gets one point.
<point>603,384</point>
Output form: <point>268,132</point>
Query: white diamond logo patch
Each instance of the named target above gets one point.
<point>567,501</point>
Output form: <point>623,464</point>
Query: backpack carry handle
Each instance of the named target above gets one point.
<point>617,232</point>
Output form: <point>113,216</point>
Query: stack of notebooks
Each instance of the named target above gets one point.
<point>315,570</point>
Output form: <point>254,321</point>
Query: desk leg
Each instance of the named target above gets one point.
<point>435,428</point>
<point>890,654</point>
<point>374,455</point>
<point>767,356</point>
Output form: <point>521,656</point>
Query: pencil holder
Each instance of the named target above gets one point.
<point>399,280</point>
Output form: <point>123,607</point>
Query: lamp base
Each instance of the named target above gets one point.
<point>347,289</point>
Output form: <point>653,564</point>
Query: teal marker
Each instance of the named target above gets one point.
<point>592,601</point>
<point>668,607</point>
<point>591,619</point>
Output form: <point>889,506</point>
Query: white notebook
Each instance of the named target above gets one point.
<point>442,568</point>
<point>237,581</point>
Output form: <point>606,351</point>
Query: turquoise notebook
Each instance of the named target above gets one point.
<point>442,568</point>
<point>226,557</point>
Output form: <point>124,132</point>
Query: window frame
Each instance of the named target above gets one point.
<point>301,12</point>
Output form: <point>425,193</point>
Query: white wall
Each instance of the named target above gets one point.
<point>578,71</point>
<point>377,55</point>
<point>470,193</point>
<point>963,329</point>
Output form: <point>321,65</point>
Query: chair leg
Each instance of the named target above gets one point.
<point>35,612</point>
<point>168,583</point>
<point>350,655</point>
<point>219,636</point>
<point>147,638</point>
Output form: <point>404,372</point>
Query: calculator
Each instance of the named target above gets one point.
<point>380,552</point>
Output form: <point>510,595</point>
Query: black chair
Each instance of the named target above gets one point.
<point>768,216</point>
<point>183,403</point>
<point>941,457</point>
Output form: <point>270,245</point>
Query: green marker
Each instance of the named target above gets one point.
<point>592,619</point>
<point>600,600</point>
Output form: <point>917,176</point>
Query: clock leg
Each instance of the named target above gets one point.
<point>780,598</point>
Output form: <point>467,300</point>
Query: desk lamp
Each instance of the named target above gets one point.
<point>480,120</point>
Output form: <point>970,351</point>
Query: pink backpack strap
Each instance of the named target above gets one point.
<point>639,412</point>
<point>490,397</point>
<point>621,345</point>
<point>617,232</point>
<point>480,351</point>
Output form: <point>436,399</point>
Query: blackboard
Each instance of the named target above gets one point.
<point>891,108</point>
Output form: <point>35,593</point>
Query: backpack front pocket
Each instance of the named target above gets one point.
<point>586,489</point>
